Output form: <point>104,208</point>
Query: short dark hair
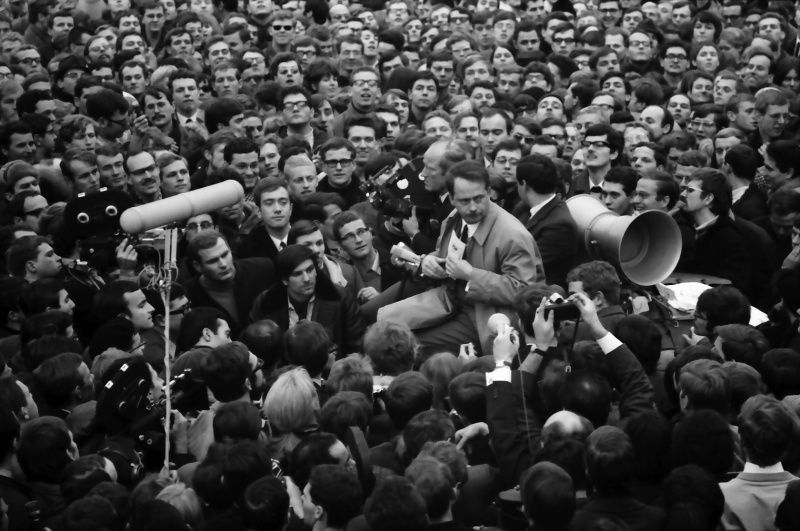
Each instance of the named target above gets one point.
<point>766,429</point>
<point>43,449</point>
<point>239,145</point>
<point>308,345</point>
<point>597,275</point>
<point>338,491</point>
<point>470,170</point>
<point>226,370</point>
<point>609,460</point>
<point>395,505</point>
<point>723,305</point>
<point>548,495</point>
<point>408,394</point>
<point>194,322</point>
<point>704,438</point>
<point>744,161</point>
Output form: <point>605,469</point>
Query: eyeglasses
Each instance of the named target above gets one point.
<point>358,233</point>
<point>205,225</point>
<point>675,57</point>
<point>563,40</point>
<point>597,144</point>
<point>522,138</point>
<point>334,163</point>
<point>687,189</point>
<point>146,169</point>
<point>31,61</point>
<point>279,27</point>
<point>299,105</point>
<point>182,310</point>
<point>361,83</point>
<point>639,44</point>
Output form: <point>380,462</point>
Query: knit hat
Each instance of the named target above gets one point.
<point>14,171</point>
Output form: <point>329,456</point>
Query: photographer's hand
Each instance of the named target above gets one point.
<point>464,435</point>
<point>544,331</point>
<point>432,267</point>
<point>411,225</point>
<point>127,259</point>
<point>367,294</point>
<point>589,314</point>
<point>505,345</point>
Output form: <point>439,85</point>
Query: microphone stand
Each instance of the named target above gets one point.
<point>171,237</point>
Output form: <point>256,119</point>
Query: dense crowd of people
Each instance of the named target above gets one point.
<point>398,326</point>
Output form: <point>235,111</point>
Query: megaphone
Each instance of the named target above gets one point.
<point>182,206</point>
<point>646,247</point>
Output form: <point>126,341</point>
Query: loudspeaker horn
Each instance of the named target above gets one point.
<point>646,247</point>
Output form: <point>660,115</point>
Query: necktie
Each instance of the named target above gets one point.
<point>596,190</point>
<point>283,246</point>
<point>465,234</point>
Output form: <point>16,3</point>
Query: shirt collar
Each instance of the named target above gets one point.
<point>537,208</point>
<point>752,468</point>
<point>707,224</point>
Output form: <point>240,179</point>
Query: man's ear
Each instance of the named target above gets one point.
<point>30,266</point>
<point>197,266</point>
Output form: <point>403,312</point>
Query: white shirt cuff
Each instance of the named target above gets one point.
<point>608,343</point>
<point>501,374</point>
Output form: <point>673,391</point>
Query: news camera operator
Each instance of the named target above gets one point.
<point>527,392</point>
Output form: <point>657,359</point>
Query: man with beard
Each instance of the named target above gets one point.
<point>296,110</point>
<point>365,92</point>
<point>271,236</point>
<point>98,50</point>
<point>161,114</point>
<point>303,294</point>
<point>109,110</point>
<point>70,70</point>
<point>144,178</point>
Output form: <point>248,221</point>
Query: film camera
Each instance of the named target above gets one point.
<point>94,221</point>
<point>388,190</point>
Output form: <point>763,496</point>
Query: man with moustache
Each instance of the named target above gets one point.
<point>144,179</point>
<point>304,294</point>
<point>161,114</point>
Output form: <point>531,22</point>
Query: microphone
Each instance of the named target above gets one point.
<point>401,252</point>
<point>498,323</point>
<point>182,206</point>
